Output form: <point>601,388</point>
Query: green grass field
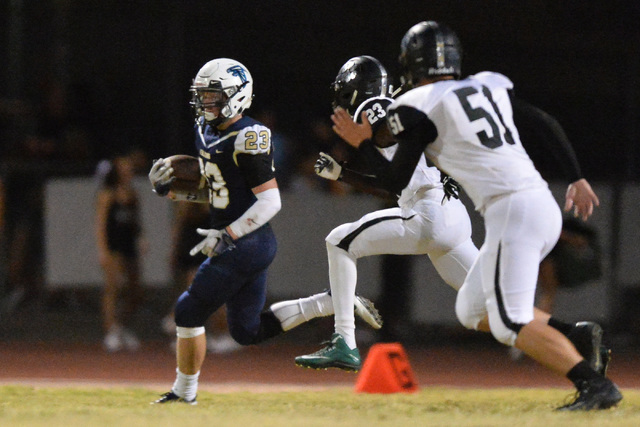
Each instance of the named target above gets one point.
<point>437,406</point>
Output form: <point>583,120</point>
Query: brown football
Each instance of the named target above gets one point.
<point>187,171</point>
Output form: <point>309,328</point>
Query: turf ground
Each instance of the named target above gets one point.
<point>339,406</point>
<point>68,384</point>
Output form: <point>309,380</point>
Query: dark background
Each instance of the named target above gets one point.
<point>128,64</point>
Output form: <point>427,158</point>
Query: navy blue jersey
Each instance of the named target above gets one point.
<point>234,161</point>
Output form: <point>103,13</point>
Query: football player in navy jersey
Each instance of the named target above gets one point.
<point>236,158</point>
<point>466,127</point>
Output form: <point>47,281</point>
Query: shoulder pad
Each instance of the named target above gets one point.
<point>255,139</point>
<point>493,78</point>
<point>406,117</point>
<point>376,109</point>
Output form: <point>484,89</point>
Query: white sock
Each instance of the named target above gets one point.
<point>295,312</point>
<point>343,276</point>
<point>186,386</point>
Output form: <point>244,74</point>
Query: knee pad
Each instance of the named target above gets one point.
<point>337,236</point>
<point>189,332</point>
<point>503,334</point>
<point>466,318</point>
<point>468,311</point>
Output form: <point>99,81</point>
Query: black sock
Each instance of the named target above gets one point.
<point>564,328</point>
<point>582,372</point>
<point>269,326</point>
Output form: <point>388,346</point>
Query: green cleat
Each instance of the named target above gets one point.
<point>336,354</point>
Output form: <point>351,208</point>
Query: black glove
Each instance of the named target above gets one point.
<point>450,186</point>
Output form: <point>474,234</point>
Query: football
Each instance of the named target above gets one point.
<point>186,169</point>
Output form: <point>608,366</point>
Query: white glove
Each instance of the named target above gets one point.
<point>215,242</point>
<point>327,167</point>
<point>161,176</point>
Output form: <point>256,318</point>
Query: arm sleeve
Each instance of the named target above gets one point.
<point>354,177</point>
<point>543,137</point>
<point>267,205</point>
<point>414,131</point>
<point>364,181</point>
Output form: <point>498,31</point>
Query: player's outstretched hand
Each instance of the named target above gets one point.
<point>581,197</point>
<point>353,133</point>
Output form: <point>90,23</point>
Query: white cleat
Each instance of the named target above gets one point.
<point>365,310</point>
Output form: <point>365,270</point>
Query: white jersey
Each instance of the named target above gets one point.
<point>477,143</point>
<point>424,177</point>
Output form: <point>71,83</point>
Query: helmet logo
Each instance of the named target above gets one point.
<point>441,71</point>
<point>440,54</point>
<point>238,71</point>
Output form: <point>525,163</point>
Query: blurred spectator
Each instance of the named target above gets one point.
<point>396,287</point>
<point>189,217</point>
<point>42,138</point>
<point>139,159</point>
<point>61,123</point>
<point>322,139</point>
<point>573,262</point>
<point>118,239</point>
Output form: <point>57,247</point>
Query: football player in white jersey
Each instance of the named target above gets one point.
<point>466,128</point>
<point>422,223</point>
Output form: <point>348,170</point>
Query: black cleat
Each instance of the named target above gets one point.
<point>587,338</point>
<point>171,397</point>
<point>596,394</point>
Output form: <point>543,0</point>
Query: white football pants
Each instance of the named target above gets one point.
<point>521,229</point>
<point>443,232</point>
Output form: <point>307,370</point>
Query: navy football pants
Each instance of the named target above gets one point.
<point>237,278</point>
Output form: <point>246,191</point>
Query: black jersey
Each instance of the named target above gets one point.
<point>234,161</point>
<point>123,227</point>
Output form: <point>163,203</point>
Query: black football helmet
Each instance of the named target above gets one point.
<point>429,49</point>
<point>359,79</point>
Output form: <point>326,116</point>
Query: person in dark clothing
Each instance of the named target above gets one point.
<point>117,234</point>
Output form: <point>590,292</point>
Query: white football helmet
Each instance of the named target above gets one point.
<point>224,83</point>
